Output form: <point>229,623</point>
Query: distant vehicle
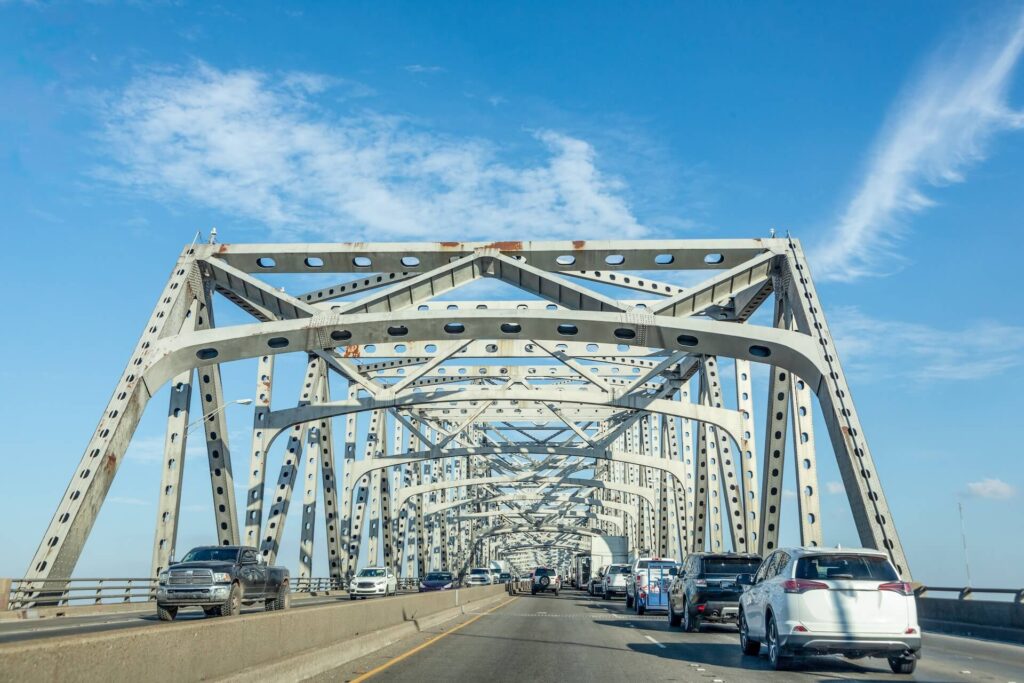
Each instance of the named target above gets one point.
<point>647,587</point>
<point>437,581</point>
<point>543,579</point>
<point>504,577</point>
<point>596,584</point>
<point>220,579</point>
<point>614,581</point>
<point>705,589</point>
<point>479,576</point>
<point>815,601</point>
<point>373,581</point>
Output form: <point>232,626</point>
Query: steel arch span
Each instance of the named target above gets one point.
<point>591,403</point>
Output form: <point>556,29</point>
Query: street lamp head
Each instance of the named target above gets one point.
<point>244,401</point>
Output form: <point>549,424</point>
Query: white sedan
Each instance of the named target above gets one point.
<point>817,601</point>
<point>373,581</point>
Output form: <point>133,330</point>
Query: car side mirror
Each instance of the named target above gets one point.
<point>745,580</point>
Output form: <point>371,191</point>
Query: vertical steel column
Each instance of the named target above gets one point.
<point>806,463</point>
<point>261,438</point>
<point>351,553</point>
<point>212,404</point>
<point>286,479</point>
<point>365,490</point>
<point>775,444</point>
<point>329,480</point>
<point>173,467</point>
<point>311,473</point>
<point>689,484</point>
<point>868,503</point>
<point>749,488</point>
<point>730,490</point>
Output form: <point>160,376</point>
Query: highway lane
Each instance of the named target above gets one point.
<point>573,637</point>
<point>33,629</point>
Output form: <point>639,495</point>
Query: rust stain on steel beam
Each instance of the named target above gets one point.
<point>223,249</point>
<point>450,245</point>
<point>579,244</point>
<point>352,351</point>
<point>506,246</point>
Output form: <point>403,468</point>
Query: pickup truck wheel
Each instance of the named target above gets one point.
<point>629,602</point>
<point>605,596</point>
<point>640,609</point>
<point>166,612</point>
<point>233,605</point>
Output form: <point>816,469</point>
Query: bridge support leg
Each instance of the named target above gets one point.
<point>173,467</point>
<point>261,438</point>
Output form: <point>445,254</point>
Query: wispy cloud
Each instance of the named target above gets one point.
<point>941,125</point>
<point>993,489</point>
<point>835,487</point>
<point>122,500</point>
<point>890,348</point>
<point>423,69</point>
<point>262,147</point>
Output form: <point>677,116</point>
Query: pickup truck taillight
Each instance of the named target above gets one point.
<point>901,587</point>
<point>802,585</point>
<point>700,582</point>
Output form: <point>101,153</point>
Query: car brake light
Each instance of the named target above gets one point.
<point>911,630</point>
<point>799,629</point>
<point>901,587</point>
<point>700,608</point>
<point>700,582</point>
<point>802,585</point>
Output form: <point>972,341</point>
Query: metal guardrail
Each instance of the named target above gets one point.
<point>968,592</point>
<point>21,593</point>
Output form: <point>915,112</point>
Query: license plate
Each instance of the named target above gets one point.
<point>730,611</point>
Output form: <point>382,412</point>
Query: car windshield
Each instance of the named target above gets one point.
<point>480,571</point>
<point>371,572</point>
<point>439,576</point>
<point>855,567</point>
<point>211,555</point>
<point>731,565</point>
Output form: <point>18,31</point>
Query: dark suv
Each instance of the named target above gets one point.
<point>706,590</point>
<point>544,579</point>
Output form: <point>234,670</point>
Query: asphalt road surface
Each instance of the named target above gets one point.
<point>576,638</point>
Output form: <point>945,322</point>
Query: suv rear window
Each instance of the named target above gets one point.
<point>855,567</point>
<point>730,565</point>
<point>541,571</point>
<point>619,569</point>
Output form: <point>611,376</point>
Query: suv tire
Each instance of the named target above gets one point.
<point>629,602</point>
<point>902,665</point>
<point>673,619</point>
<point>779,661</point>
<point>166,612</point>
<point>750,647</point>
<point>691,624</point>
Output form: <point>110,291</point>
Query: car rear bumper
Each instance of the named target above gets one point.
<point>824,643</point>
<point>717,611</point>
<point>193,595</point>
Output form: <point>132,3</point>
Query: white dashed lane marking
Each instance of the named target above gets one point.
<point>655,642</point>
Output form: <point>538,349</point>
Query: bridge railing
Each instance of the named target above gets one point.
<point>968,592</point>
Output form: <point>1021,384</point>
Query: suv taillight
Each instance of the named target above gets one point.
<point>901,587</point>
<point>802,585</point>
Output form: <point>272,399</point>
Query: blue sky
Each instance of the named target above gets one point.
<point>887,136</point>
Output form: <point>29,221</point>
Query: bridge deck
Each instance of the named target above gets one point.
<point>577,638</point>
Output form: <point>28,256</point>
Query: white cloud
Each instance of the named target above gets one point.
<point>788,493</point>
<point>835,487</point>
<point>994,489</point>
<point>900,349</point>
<point>941,125</point>
<point>423,69</point>
<point>260,147</point>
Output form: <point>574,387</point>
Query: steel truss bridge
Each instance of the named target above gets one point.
<point>606,399</point>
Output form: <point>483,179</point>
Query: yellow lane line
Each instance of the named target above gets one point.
<point>404,655</point>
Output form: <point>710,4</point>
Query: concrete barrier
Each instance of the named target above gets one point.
<point>977,618</point>
<point>212,649</point>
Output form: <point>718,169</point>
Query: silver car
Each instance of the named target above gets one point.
<point>614,581</point>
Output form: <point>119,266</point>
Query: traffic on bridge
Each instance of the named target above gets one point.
<point>570,481</point>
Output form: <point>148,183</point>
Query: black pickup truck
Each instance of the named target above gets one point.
<point>220,579</point>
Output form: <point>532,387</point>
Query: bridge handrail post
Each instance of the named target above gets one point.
<point>5,594</point>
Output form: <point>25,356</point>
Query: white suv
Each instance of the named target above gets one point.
<point>373,581</point>
<point>814,601</point>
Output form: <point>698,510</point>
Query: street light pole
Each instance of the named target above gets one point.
<point>240,401</point>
